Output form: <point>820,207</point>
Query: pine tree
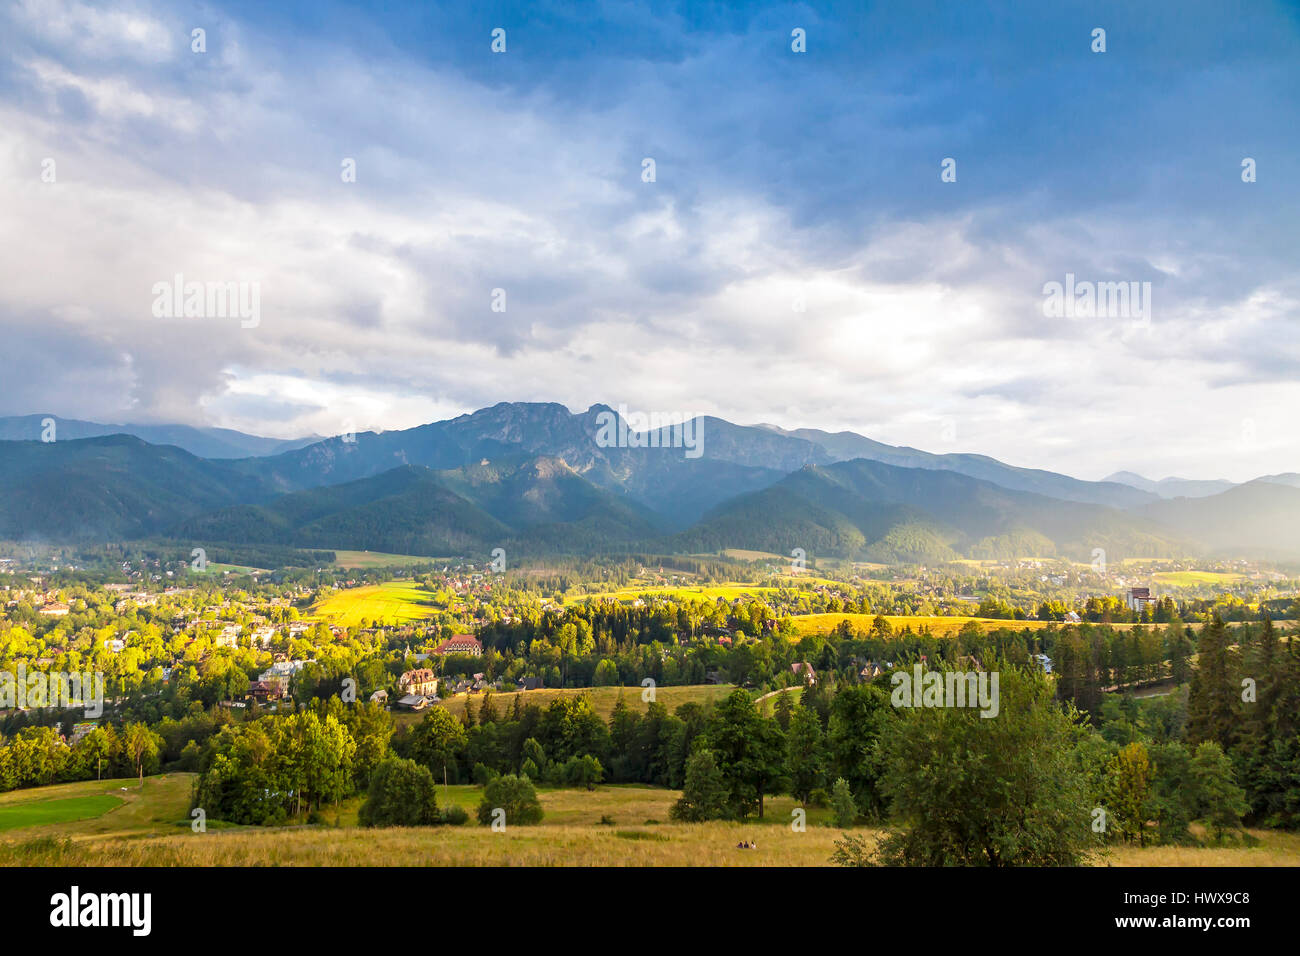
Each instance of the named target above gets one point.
<point>1212,707</point>
<point>843,807</point>
<point>805,754</point>
<point>782,710</point>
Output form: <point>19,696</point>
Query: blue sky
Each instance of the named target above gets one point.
<point>781,178</point>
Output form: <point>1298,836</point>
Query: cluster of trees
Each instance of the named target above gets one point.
<point>38,756</point>
<point>267,770</point>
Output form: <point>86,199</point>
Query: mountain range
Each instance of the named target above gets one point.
<point>537,478</point>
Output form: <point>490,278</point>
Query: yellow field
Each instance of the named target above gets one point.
<point>1187,579</point>
<point>937,625</point>
<point>393,602</point>
<point>602,699</point>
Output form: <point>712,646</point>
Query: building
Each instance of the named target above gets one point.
<point>264,690</point>
<point>460,644</point>
<point>1138,598</point>
<point>420,682</point>
<point>56,610</point>
<point>805,670</point>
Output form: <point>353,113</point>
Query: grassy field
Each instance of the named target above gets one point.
<point>96,807</point>
<point>378,559</point>
<point>938,625</point>
<point>237,569</point>
<point>1191,579</point>
<point>609,826</point>
<point>602,699</point>
<point>28,813</point>
<point>393,602</point>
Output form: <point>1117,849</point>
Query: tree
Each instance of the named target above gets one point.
<point>1221,802</point>
<point>1130,776</point>
<point>805,754</point>
<point>606,674</point>
<point>1212,706</point>
<point>437,742</point>
<point>140,744</point>
<point>749,750</point>
<point>704,795</point>
<point>402,793</point>
<point>570,728</point>
<point>516,796</point>
<point>1173,798</point>
<point>584,771</point>
<point>783,709</point>
<point>859,717</point>
<point>997,791</point>
<point>843,807</point>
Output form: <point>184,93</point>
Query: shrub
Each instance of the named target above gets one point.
<point>516,796</point>
<point>584,771</point>
<point>455,815</point>
<point>402,794</point>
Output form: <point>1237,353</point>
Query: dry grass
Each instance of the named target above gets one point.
<point>151,829</point>
<point>602,699</point>
<point>938,625</point>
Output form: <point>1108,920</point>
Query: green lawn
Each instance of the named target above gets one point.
<point>33,813</point>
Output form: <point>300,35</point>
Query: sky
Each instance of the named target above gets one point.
<point>798,257</point>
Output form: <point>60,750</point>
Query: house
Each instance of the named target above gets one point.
<point>56,609</point>
<point>804,670</point>
<point>419,681</point>
<point>280,672</point>
<point>264,690</point>
<point>413,702</point>
<point>460,644</point>
<point>530,683</point>
<point>870,671</point>
<point>1072,617</point>
<point>1138,598</point>
<point>81,729</point>
<point>379,697</point>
